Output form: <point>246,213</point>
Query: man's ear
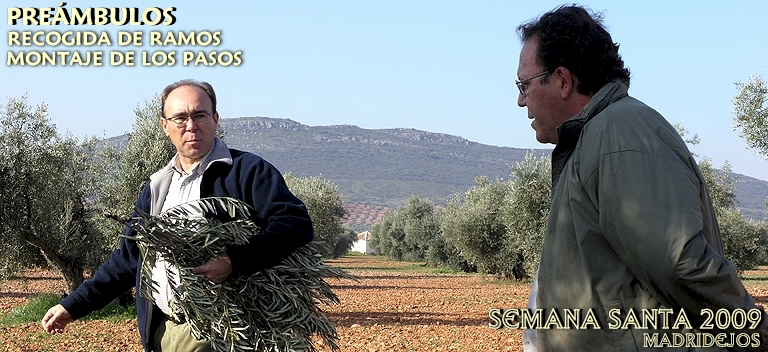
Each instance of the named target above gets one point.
<point>164,125</point>
<point>216,117</point>
<point>565,80</point>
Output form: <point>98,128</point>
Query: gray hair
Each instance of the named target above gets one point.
<point>205,86</point>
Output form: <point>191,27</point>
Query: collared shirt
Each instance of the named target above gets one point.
<point>184,187</point>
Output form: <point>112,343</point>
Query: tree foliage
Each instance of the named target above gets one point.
<point>386,237</point>
<point>495,227</point>
<point>345,242</point>
<point>477,225</point>
<point>751,113</point>
<point>744,240</point>
<point>47,210</point>
<point>413,228</point>
<point>326,209</point>
<point>499,226</point>
<point>412,232</point>
<point>125,169</point>
<point>529,205</point>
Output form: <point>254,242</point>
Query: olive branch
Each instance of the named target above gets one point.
<point>275,309</point>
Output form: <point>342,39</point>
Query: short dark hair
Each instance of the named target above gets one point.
<point>189,82</point>
<point>572,37</point>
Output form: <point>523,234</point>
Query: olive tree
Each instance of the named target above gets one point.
<point>528,208</point>
<point>387,236</point>
<point>499,226</point>
<point>477,225</point>
<point>126,167</point>
<point>744,240</point>
<point>751,113</point>
<point>345,242</point>
<point>412,232</point>
<point>419,228</point>
<point>46,213</point>
<point>326,209</point>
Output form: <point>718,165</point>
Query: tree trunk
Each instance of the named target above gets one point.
<point>126,299</point>
<point>72,274</point>
<point>73,277</point>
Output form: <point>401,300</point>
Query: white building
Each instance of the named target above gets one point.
<point>362,244</point>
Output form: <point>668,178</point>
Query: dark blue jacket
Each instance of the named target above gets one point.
<point>249,178</point>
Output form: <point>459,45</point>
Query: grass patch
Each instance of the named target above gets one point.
<point>36,308</point>
<point>408,267</point>
<point>754,275</point>
<point>113,313</point>
<point>382,263</point>
<point>448,271</point>
<point>413,268</point>
<point>491,280</point>
<point>757,277</point>
<point>33,311</point>
<point>755,283</point>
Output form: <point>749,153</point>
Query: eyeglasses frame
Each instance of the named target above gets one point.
<point>522,84</point>
<point>187,118</point>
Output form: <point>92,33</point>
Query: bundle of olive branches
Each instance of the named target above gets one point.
<point>275,309</point>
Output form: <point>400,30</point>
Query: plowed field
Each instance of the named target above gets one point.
<point>395,306</point>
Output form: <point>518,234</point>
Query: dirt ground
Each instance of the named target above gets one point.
<point>395,306</point>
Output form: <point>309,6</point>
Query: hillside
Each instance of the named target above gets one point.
<point>751,194</point>
<point>380,169</point>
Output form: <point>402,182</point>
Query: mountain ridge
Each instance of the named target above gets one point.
<point>385,167</point>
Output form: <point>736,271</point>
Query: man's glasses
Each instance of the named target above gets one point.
<point>522,85</point>
<point>181,120</point>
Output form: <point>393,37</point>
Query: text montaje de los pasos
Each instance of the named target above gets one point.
<point>70,39</point>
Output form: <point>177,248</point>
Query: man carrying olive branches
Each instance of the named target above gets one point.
<point>202,167</point>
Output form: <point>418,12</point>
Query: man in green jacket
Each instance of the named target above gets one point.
<point>632,257</point>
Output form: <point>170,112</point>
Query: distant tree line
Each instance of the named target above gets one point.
<point>495,227</point>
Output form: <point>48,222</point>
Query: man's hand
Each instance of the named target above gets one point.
<point>56,319</point>
<point>217,269</point>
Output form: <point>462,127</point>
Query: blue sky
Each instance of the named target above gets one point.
<point>438,66</point>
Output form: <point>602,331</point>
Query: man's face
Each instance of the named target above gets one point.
<point>194,139</point>
<point>540,98</point>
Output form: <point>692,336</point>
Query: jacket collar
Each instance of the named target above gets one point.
<point>160,180</point>
<point>569,132</point>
